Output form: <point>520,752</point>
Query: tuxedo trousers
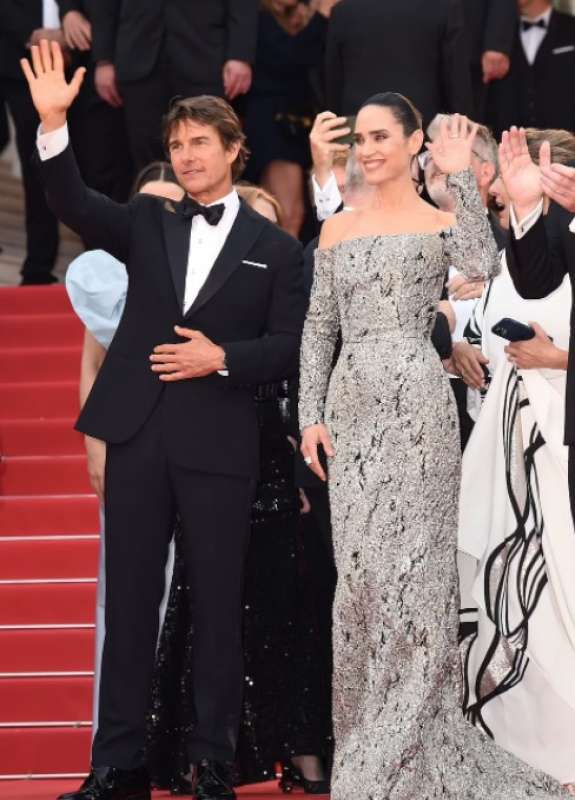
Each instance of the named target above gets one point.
<point>146,495</point>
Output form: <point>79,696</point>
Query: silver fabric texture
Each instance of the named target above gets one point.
<point>394,484</point>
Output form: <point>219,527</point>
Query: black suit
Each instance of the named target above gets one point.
<point>96,125</point>
<point>538,263</point>
<point>413,47</point>
<point>18,20</point>
<point>541,95</point>
<point>490,25</point>
<point>187,449</point>
<point>163,48</point>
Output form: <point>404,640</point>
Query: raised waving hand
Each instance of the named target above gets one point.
<point>51,93</point>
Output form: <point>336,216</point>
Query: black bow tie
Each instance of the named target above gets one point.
<point>526,25</point>
<point>189,208</point>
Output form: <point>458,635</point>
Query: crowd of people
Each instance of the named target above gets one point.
<point>298,566</point>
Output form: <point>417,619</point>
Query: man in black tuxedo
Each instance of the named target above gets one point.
<point>490,26</point>
<point>539,91</point>
<point>175,406</point>
<point>414,47</point>
<point>18,21</point>
<point>541,247</point>
<point>148,51</point>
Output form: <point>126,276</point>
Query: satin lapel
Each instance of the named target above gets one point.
<point>547,45</point>
<point>177,240</point>
<point>243,234</point>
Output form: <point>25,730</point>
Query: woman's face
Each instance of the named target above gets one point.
<point>381,147</point>
<point>499,202</point>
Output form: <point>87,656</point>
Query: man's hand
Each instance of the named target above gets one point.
<point>460,288</point>
<point>558,182</point>
<point>522,177</point>
<point>326,128</point>
<point>468,361</point>
<point>50,34</point>
<point>77,31</point>
<point>494,65</point>
<point>237,77</point>
<point>313,436</point>
<point>537,353</point>
<point>51,93</point>
<point>193,359</point>
<point>106,85</point>
<point>96,453</point>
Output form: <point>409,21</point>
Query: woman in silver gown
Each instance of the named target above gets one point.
<point>386,418</point>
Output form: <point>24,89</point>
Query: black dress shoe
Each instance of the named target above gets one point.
<point>213,780</point>
<point>109,783</point>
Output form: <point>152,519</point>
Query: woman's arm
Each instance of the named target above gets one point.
<point>93,355</point>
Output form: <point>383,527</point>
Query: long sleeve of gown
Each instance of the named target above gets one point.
<point>318,341</point>
<point>470,246</point>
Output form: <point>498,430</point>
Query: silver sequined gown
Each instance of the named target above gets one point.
<point>394,484</point>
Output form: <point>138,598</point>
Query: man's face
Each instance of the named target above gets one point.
<point>200,161</point>
<point>527,7</point>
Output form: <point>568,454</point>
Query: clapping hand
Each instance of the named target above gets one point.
<point>452,148</point>
<point>558,182</point>
<point>522,177</point>
<point>52,95</point>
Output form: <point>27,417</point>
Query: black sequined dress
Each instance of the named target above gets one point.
<point>287,704</point>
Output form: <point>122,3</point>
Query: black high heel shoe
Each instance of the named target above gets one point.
<point>292,778</point>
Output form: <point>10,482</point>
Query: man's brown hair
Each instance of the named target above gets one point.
<point>208,110</point>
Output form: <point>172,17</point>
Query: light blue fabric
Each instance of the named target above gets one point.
<point>97,283</point>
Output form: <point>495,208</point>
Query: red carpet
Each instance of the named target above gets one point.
<point>48,547</point>
<point>48,790</point>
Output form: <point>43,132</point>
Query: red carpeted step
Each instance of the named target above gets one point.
<point>24,559</point>
<point>48,516</point>
<point>37,401</point>
<point>67,650</point>
<point>33,299</point>
<point>47,604</point>
<point>44,751</point>
<point>42,330</point>
<point>39,364</point>
<point>45,700</point>
<point>41,475</point>
<point>39,437</point>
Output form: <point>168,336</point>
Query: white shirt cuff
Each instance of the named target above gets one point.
<point>326,200</point>
<point>224,373</point>
<point>523,227</point>
<point>572,225</point>
<point>52,144</point>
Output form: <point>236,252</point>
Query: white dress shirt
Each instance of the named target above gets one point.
<point>533,38</point>
<point>327,199</point>
<point>50,14</point>
<point>521,227</point>
<point>206,241</point>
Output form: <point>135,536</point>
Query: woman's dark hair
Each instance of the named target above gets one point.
<point>403,110</point>
<point>213,111</point>
<point>156,171</point>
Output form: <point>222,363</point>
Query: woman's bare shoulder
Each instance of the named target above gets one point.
<point>335,229</point>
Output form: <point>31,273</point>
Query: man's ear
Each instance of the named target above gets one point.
<point>233,152</point>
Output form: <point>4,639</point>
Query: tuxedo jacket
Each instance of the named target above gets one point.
<point>490,25</point>
<point>18,20</point>
<point>196,37</point>
<point>252,304</point>
<point>538,263</point>
<point>541,95</point>
<point>414,47</point>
